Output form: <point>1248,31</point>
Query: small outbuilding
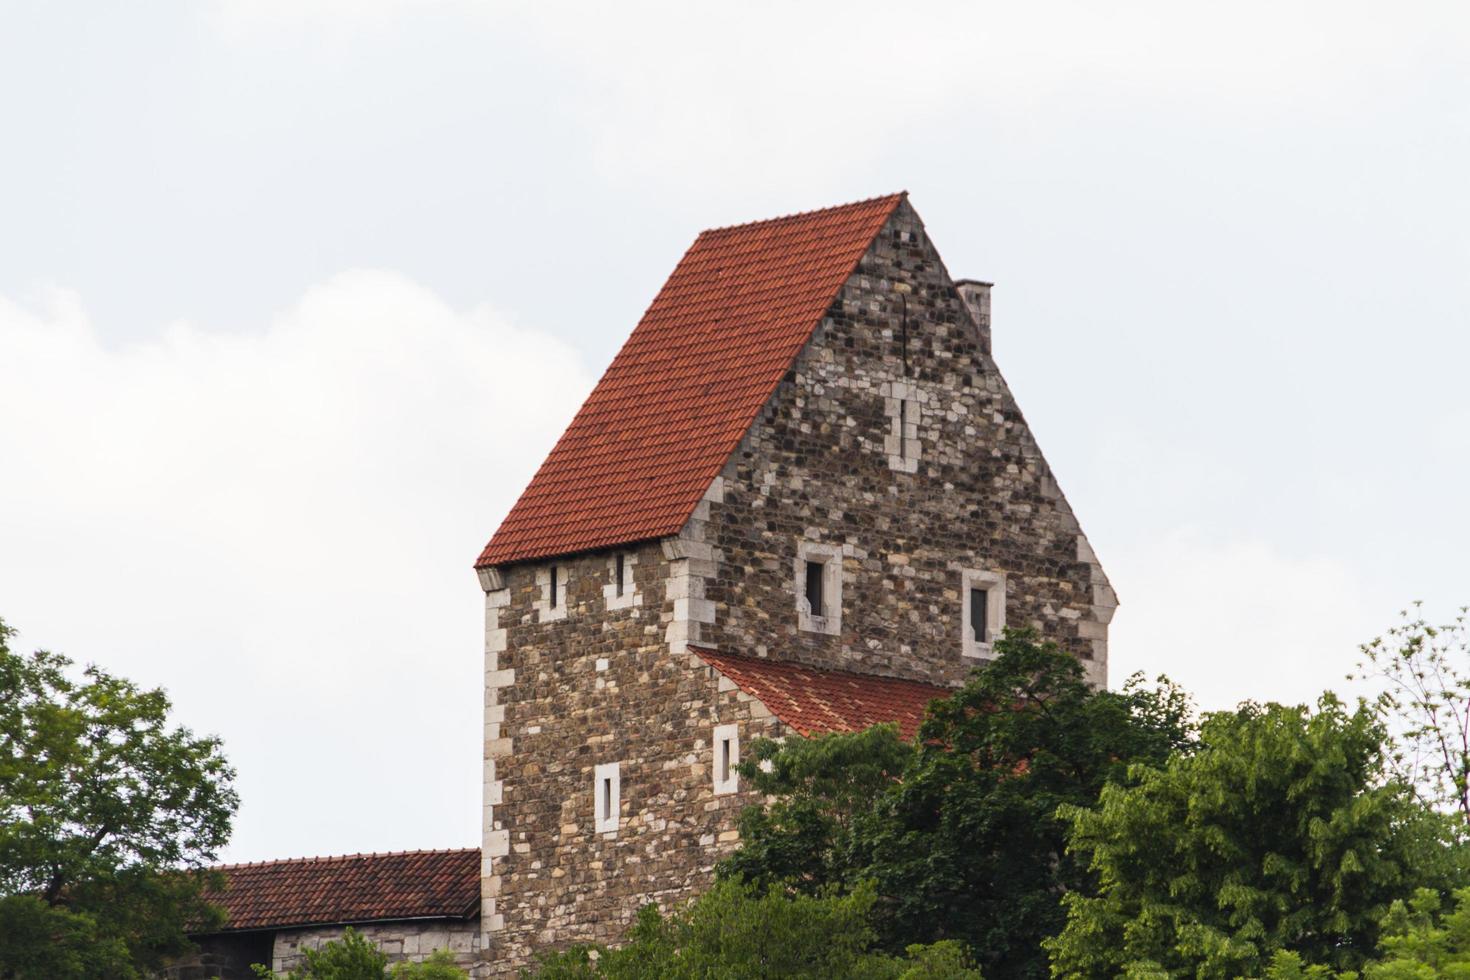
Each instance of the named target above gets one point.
<point>409,903</point>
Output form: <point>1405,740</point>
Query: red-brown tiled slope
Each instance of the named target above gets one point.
<point>686,386</point>
<point>355,888</point>
<point>815,702</point>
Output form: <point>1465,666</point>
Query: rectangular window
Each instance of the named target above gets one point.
<point>726,758</point>
<point>908,430</point>
<point>551,582</point>
<point>620,583</point>
<point>606,798</point>
<point>979,612</point>
<point>907,444</point>
<point>814,587</point>
<point>983,611</point>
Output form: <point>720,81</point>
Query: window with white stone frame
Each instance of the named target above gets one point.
<point>621,590</point>
<point>818,587</point>
<point>607,801</point>
<point>552,582</point>
<point>726,758</point>
<point>983,596</point>
<point>902,403</point>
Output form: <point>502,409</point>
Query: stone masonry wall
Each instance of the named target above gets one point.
<point>824,464</point>
<point>221,956</point>
<point>893,445</point>
<point>409,941</point>
<point>595,683</point>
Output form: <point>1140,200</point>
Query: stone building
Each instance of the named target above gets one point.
<point>408,903</point>
<point>801,499</point>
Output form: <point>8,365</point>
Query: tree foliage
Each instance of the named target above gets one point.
<point>106,815</point>
<point>1425,705</point>
<point>352,957</point>
<point>959,831</point>
<point>1418,943</point>
<point>355,957</point>
<point>822,787</point>
<point>1277,834</point>
<point>439,965</point>
<point>738,930</point>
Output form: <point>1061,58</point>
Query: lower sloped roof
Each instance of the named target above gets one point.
<point>351,888</point>
<point>816,702</point>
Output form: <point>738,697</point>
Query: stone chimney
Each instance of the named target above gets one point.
<point>976,296</point>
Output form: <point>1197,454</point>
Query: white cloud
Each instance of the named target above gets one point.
<point>247,20</point>
<point>1233,619</point>
<point>279,527</point>
<point>797,96</point>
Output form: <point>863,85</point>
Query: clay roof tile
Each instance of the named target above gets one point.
<point>688,383</point>
<point>816,702</point>
<point>351,888</point>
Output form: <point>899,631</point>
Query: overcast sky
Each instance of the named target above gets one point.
<point>295,295</point>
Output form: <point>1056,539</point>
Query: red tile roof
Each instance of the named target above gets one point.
<point>686,386</point>
<point>355,888</point>
<point>815,702</point>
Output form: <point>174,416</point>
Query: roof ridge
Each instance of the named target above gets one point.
<point>794,215</point>
<point>339,858</point>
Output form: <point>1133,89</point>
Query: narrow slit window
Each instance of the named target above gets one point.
<point>620,580</point>
<point>908,446</point>
<point>551,601</point>
<point>903,407</point>
<point>814,587</point>
<point>606,798</point>
<point>979,612</point>
<point>727,757</point>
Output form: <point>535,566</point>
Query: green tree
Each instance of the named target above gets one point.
<point>1418,943</point>
<point>1286,965</point>
<point>958,831</point>
<point>1425,705</point>
<point>738,930</point>
<point>107,815</point>
<point>1278,833</point>
<point>354,957</point>
<point>440,965</point>
<point>822,787</point>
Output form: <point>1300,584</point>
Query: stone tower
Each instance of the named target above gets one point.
<point>801,499</point>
